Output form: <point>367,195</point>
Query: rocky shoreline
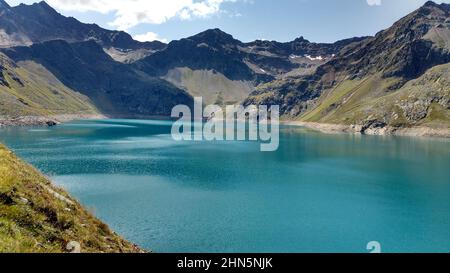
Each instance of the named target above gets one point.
<point>327,128</point>
<point>373,129</point>
<point>44,121</point>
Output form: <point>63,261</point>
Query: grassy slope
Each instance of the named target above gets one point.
<point>34,91</point>
<point>33,219</point>
<point>353,102</point>
<point>215,88</point>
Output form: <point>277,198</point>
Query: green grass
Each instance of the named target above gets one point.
<point>331,98</point>
<point>212,87</point>
<point>38,92</point>
<point>354,102</point>
<point>34,219</point>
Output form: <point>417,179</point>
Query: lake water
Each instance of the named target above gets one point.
<point>317,193</point>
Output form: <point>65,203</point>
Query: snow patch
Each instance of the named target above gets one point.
<point>318,58</point>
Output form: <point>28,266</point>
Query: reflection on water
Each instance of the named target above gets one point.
<point>317,193</point>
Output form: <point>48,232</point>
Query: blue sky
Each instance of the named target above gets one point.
<point>247,20</point>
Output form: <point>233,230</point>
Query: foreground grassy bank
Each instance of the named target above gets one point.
<point>37,217</point>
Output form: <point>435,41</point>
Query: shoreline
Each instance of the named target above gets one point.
<point>7,121</point>
<point>327,128</point>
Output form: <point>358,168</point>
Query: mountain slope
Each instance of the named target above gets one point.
<point>422,101</point>
<point>114,88</point>
<point>36,217</point>
<point>29,89</point>
<point>349,88</point>
<point>240,66</point>
<point>37,23</point>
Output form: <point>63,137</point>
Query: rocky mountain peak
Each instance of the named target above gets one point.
<point>430,12</point>
<point>41,7</point>
<point>44,5</point>
<point>431,4</point>
<point>39,22</point>
<point>214,37</point>
<point>413,44</point>
<point>301,39</point>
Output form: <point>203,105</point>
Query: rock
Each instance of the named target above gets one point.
<point>415,111</point>
<point>356,128</point>
<point>58,196</point>
<point>372,125</point>
<point>24,200</point>
<point>73,247</point>
<point>51,123</point>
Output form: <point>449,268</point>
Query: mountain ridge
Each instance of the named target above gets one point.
<point>316,82</point>
<point>24,25</point>
<point>114,88</point>
<point>345,89</point>
<point>243,65</point>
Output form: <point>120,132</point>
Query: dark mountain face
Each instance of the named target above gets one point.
<point>27,24</point>
<point>115,88</point>
<point>403,52</point>
<point>407,49</point>
<point>210,50</point>
<point>301,46</point>
<point>259,61</point>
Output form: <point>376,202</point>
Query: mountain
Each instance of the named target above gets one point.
<point>24,25</point>
<point>393,79</point>
<point>114,88</point>
<point>224,70</point>
<point>52,64</point>
<point>211,64</point>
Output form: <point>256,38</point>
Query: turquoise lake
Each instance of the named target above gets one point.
<point>317,193</point>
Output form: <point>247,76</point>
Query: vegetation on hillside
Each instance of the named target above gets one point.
<point>37,217</point>
<point>29,89</point>
<point>421,102</point>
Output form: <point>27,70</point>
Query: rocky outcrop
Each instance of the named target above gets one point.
<point>418,131</point>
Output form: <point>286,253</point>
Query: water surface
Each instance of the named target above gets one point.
<point>317,193</point>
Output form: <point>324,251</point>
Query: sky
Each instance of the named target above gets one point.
<point>246,20</point>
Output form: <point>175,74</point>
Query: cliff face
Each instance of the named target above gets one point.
<point>35,216</point>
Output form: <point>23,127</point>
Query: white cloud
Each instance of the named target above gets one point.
<point>374,2</point>
<point>148,37</point>
<point>129,13</point>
